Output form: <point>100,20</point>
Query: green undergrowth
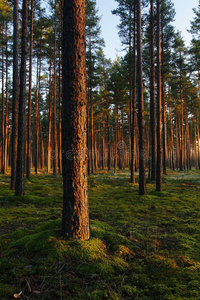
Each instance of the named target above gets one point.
<point>141,247</point>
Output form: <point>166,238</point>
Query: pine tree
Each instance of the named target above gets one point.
<point>142,177</point>
<point>15,96</point>
<point>93,44</point>
<point>75,220</point>
<point>19,185</point>
<point>159,147</point>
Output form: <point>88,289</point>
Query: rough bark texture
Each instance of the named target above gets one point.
<point>75,220</point>
<point>19,185</point>
<point>142,178</point>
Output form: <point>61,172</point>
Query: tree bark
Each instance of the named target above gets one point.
<point>159,148</point>
<point>15,96</point>
<point>6,107</point>
<point>55,160</point>
<point>142,176</point>
<point>37,121</point>
<point>28,163</point>
<point>49,122</point>
<point>19,185</point>
<point>2,116</point>
<point>133,123</point>
<point>152,96</point>
<point>75,219</point>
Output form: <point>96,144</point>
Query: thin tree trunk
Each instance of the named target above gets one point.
<point>37,121</point>
<point>164,135</point>
<point>15,96</point>
<point>19,185</point>
<point>92,131</point>
<point>115,142</point>
<point>181,126</point>
<point>142,176</point>
<point>28,163</point>
<point>49,122</point>
<point>55,160</point>
<point>88,140</point>
<point>6,112</point>
<point>108,137</point>
<point>103,142</point>
<point>59,116</point>
<point>2,117</point>
<point>130,79</point>
<point>152,96</point>
<point>133,129</point>
<point>159,148</point>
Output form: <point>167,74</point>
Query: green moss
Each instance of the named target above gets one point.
<point>141,247</point>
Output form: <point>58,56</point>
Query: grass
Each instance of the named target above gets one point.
<point>141,247</point>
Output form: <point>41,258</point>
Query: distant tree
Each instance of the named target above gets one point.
<point>75,219</point>
<point>152,93</point>
<point>93,44</point>
<point>167,38</point>
<point>28,162</point>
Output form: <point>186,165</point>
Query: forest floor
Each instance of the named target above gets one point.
<point>141,247</point>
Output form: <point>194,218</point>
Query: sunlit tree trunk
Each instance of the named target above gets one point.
<point>28,163</point>
<point>152,95</point>
<point>15,95</point>
<point>142,176</point>
<point>75,219</point>
<point>164,129</point>
<point>49,122</point>
<point>55,160</point>
<point>108,136</point>
<point>2,115</point>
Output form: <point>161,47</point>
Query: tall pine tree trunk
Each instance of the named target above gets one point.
<point>159,148</point>
<point>2,116</point>
<point>28,163</point>
<point>55,160</point>
<point>6,107</point>
<point>15,96</point>
<point>108,136</point>
<point>49,122</point>
<point>164,135</point>
<point>37,121</point>
<point>152,95</point>
<point>142,176</point>
<point>75,219</point>
<point>19,185</point>
<point>133,123</point>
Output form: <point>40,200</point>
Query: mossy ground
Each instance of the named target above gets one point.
<point>141,247</point>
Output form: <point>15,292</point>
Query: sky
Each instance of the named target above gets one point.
<point>109,22</point>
